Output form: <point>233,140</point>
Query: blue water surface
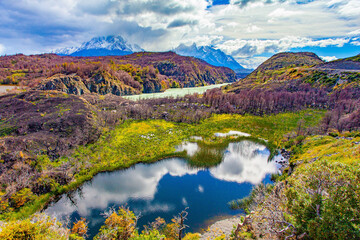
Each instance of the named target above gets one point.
<point>167,187</point>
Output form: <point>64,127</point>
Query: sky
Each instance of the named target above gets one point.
<point>249,30</point>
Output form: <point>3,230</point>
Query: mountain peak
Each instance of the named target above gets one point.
<point>209,54</point>
<point>102,46</point>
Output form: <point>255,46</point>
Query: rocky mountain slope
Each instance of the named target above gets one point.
<point>120,75</point>
<point>213,56</point>
<point>209,54</point>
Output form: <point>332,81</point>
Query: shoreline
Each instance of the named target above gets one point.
<point>220,227</point>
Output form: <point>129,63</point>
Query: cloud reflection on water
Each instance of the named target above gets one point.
<point>243,161</point>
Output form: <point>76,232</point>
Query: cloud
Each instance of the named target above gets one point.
<point>162,13</point>
<point>202,40</point>
<point>355,32</point>
<point>244,28</point>
<point>253,28</point>
<point>328,58</point>
<point>251,62</point>
<point>250,53</point>
<point>163,7</point>
<point>347,8</point>
<point>244,3</point>
<point>181,22</point>
<point>281,14</point>
<point>247,48</point>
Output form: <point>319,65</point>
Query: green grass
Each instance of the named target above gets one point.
<point>152,140</point>
<point>328,148</point>
<point>146,141</point>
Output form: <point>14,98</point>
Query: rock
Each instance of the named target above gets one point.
<point>71,84</point>
<point>221,227</point>
<point>99,83</point>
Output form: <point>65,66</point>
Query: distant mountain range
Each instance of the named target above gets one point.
<point>209,54</point>
<point>214,57</point>
<point>101,46</point>
<point>118,46</point>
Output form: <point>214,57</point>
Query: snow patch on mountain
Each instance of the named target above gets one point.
<point>209,54</point>
<point>101,46</point>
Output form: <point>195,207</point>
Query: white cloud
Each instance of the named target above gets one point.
<point>354,33</point>
<point>328,58</point>
<point>251,62</point>
<point>350,8</point>
<point>248,48</point>
<point>281,13</point>
<point>254,26</point>
<point>248,52</point>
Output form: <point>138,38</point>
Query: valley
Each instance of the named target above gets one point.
<point>71,127</point>
<point>179,120</point>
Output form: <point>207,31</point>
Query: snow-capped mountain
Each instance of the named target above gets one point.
<point>101,46</point>
<point>209,54</point>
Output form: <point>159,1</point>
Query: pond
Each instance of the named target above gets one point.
<point>174,92</point>
<point>167,187</point>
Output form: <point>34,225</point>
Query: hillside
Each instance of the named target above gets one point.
<point>119,75</point>
<point>341,65</point>
<point>289,70</point>
<point>289,59</point>
<point>38,122</point>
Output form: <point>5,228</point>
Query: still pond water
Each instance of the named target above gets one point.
<point>165,188</point>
